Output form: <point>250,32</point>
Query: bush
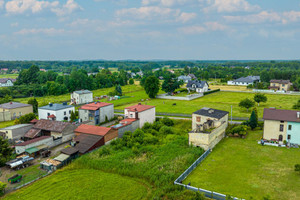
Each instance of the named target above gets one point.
<point>211,91</point>
<point>239,129</point>
<point>104,151</point>
<point>297,167</point>
<point>165,130</point>
<point>25,119</point>
<point>147,126</point>
<point>167,121</point>
<point>2,187</point>
<point>157,125</point>
<point>150,139</point>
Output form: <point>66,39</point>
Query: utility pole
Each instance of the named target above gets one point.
<point>231,114</point>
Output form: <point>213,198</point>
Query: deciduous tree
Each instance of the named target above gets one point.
<point>259,97</point>
<point>246,103</point>
<point>152,86</point>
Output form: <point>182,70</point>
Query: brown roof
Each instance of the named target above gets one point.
<point>34,121</point>
<point>86,142</point>
<point>139,107</point>
<point>281,115</point>
<point>93,130</point>
<point>280,81</point>
<point>94,106</point>
<point>50,125</point>
<point>69,151</point>
<point>33,141</point>
<point>32,133</point>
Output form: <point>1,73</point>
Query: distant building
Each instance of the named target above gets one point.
<point>144,113</point>
<point>245,81</point>
<point>197,86</point>
<point>185,79</point>
<point>16,132</point>
<point>7,82</point>
<point>208,127</point>
<point>282,125</point>
<point>171,71</point>
<point>43,70</point>
<point>12,110</point>
<point>140,73</point>
<point>96,112</point>
<point>56,112</point>
<point>280,85</point>
<point>193,77</point>
<point>81,97</point>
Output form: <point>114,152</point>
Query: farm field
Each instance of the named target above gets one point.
<point>244,169</point>
<point>9,76</point>
<point>90,184</point>
<point>229,87</point>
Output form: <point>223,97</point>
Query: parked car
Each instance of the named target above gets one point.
<point>15,179</point>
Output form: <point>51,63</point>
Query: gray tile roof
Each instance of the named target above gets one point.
<point>16,126</point>
<point>209,112</point>
<point>199,84</point>
<point>248,79</point>
<point>82,92</point>
<point>55,107</point>
<point>12,105</point>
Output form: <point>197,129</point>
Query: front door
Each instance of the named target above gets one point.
<point>280,138</point>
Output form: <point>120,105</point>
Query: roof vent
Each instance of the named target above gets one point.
<point>64,103</point>
<point>211,111</point>
<point>298,115</point>
<point>50,104</point>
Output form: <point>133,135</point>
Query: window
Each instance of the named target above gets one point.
<point>131,115</point>
<point>69,111</point>
<point>281,128</point>
<point>48,114</point>
<point>280,138</point>
<point>290,127</point>
<point>281,121</point>
<point>198,119</point>
<point>65,113</point>
<point>283,85</point>
<point>289,137</point>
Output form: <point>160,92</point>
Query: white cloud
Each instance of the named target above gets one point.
<point>14,24</point>
<point>265,16</point>
<point>167,3</point>
<point>184,17</point>
<point>206,27</point>
<point>1,3</point>
<point>230,6</point>
<point>22,6</point>
<point>67,8</point>
<point>46,31</point>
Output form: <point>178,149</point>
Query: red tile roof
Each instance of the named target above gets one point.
<point>94,106</point>
<point>33,141</point>
<point>34,121</point>
<point>128,120</point>
<point>52,116</point>
<point>93,130</point>
<point>139,107</point>
<point>281,115</point>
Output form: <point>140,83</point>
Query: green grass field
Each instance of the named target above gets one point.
<point>83,184</point>
<point>9,76</point>
<point>244,169</point>
<point>6,124</point>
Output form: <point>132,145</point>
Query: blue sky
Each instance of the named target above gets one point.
<point>149,29</point>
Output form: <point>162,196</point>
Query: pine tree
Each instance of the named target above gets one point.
<point>253,120</point>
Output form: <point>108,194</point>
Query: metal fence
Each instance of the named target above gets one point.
<point>207,193</point>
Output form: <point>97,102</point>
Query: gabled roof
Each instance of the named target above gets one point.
<point>280,81</point>
<point>94,106</point>
<point>33,141</point>
<point>93,130</point>
<point>198,84</point>
<point>139,108</point>
<point>82,92</point>
<point>56,107</point>
<point>12,105</point>
<point>281,115</point>
<point>50,125</point>
<point>4,80</point>
<point>248,79</point>
<point>51,116</point>
<point>209,112</point>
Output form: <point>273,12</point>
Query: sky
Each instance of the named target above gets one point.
<point>149,29</point>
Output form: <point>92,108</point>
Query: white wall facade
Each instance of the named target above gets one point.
<point>60,114</point>
<point>82,98</point>
<point>238,83</point>
<point>107,111</point>
<point>144,116</point>
<point>7,84</point>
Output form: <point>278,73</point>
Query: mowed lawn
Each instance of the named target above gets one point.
<point>244,169</point>
<point>83,184</point>
<point>218,100</point>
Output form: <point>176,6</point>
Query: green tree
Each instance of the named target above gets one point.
<point>6,99</point>
<point>152,86</point>
<point>259,97</point>
<point>5,151</point>
<point>73,116</point>
<point>253,120</point>
<point>25,119</point>
<point>118,90</point>
<point>131,81</point>
<point>2,188</point>
<point>170,83</point>
<point>297,167</point>
<point>246,103</point>
<point>34,103</point>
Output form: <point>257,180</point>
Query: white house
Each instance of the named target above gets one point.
<point>96,112</point>
<point>244,80</point>
<point>58,112</point>
<point>7,82</point>
<point>81,97</point>
<point>197,86</point>
<point>145,113</point>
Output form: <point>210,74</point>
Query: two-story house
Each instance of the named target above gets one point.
<point>280,85</point>
<point>197,86</point>
<point>7,82</point>
<point>81,97</point>
<point>96,112</point>
<point>282,125</point>
<point>56,112</point>
<point>208,127</point>
<point>144,113</point>
<point>12,110</point>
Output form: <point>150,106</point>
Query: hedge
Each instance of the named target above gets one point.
<point>211,91</point>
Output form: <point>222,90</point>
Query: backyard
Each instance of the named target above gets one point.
<point>244,169</point>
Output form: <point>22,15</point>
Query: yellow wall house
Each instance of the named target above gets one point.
<point>208,127</point>
<point>12,110</point>
<point>281,85</point>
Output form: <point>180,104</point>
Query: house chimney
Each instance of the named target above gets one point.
<point>298,115</point>
<point>136,115</point>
